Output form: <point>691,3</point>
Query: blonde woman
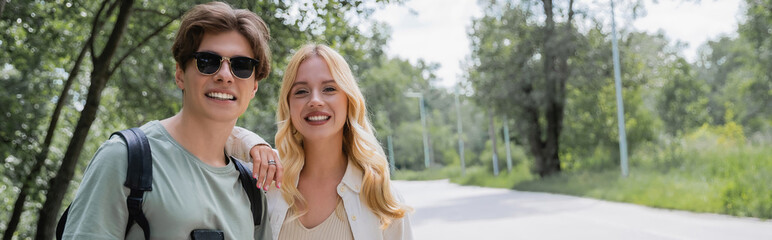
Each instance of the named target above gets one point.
<point>336,175</point>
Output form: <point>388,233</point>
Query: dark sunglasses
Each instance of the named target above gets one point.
<point>209,63</point>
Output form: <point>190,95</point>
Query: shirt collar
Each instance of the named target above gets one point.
<point>353,177</point>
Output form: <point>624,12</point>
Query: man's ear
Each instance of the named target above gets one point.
<point>179,77</point>
<point>257,83</point>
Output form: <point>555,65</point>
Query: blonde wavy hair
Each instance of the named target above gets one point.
<point>359,142</point>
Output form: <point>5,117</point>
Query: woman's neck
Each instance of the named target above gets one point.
<point>204,139</point>
<point>324,158</point>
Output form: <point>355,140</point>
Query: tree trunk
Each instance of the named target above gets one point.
<point>59,185</point>
<point>549,148</point>
<point>40,158</point>
<point>535,143</point>
<point>18,207</point>
<point>2,7</point>
<point>556,50</point>
<point>556,108</point>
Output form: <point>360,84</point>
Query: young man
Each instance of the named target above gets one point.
<point>221,54</point>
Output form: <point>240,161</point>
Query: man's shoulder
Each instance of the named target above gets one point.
<point>114,151</point>
<point>153,129</point>
<point>160,140</point>
<point>112,148</point>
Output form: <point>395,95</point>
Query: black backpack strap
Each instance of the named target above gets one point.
<point>250,187</point>
<point>139,176</point>
<point>61,223</point>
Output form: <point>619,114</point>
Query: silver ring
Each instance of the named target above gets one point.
<point>271,162</point>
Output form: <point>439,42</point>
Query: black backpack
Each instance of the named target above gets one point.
<point>139,179</point>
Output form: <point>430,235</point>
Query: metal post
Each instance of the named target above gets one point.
<point>492,132</point>
<point>620,105</point>
<point>460,133</point>
<point>506,141</point>
<point>392,163</point>
<point>423,123</point>
<point>426,132</point>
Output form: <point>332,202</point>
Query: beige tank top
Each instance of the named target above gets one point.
<point>336,226</point>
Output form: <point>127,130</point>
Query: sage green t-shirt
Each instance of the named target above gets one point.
<point>187,194</point>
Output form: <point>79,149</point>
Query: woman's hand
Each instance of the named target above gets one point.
<point>266,167</point>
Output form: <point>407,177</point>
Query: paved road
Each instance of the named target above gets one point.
<point>448,211</point>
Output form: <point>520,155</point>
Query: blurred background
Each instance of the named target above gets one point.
<point>507,94</point>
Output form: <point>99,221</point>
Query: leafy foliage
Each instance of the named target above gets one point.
<point>552,79</point>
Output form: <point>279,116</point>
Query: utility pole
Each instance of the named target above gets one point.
<point>492,132</point>
<point>392,164</point>
<point>423,123</point>
<point>460,133</point>
<point>506,141</point>
<point>620,106</point>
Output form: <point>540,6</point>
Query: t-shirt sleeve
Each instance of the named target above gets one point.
<point>99,209</point>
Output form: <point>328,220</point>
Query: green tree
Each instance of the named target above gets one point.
<point>102,71</point>
<point>522,66</point>
<point>682,102</point>
<point>392,113</point>
<point>111,38</point>
<point>736,69</point>
<point>591,137</point>
<point>719,61</point>
<point>757,90</point>
<point>30,26</point>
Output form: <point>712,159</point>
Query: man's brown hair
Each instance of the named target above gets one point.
<point>218,17</point>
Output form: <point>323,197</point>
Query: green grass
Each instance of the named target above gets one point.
<point>430,174</point>
<point>697,174</point>
<point>482,177</point>
<point>645,188</point>
<point>478,176</point>
<point>733,180</point>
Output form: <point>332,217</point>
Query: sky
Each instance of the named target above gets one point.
<point>436,30</point>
